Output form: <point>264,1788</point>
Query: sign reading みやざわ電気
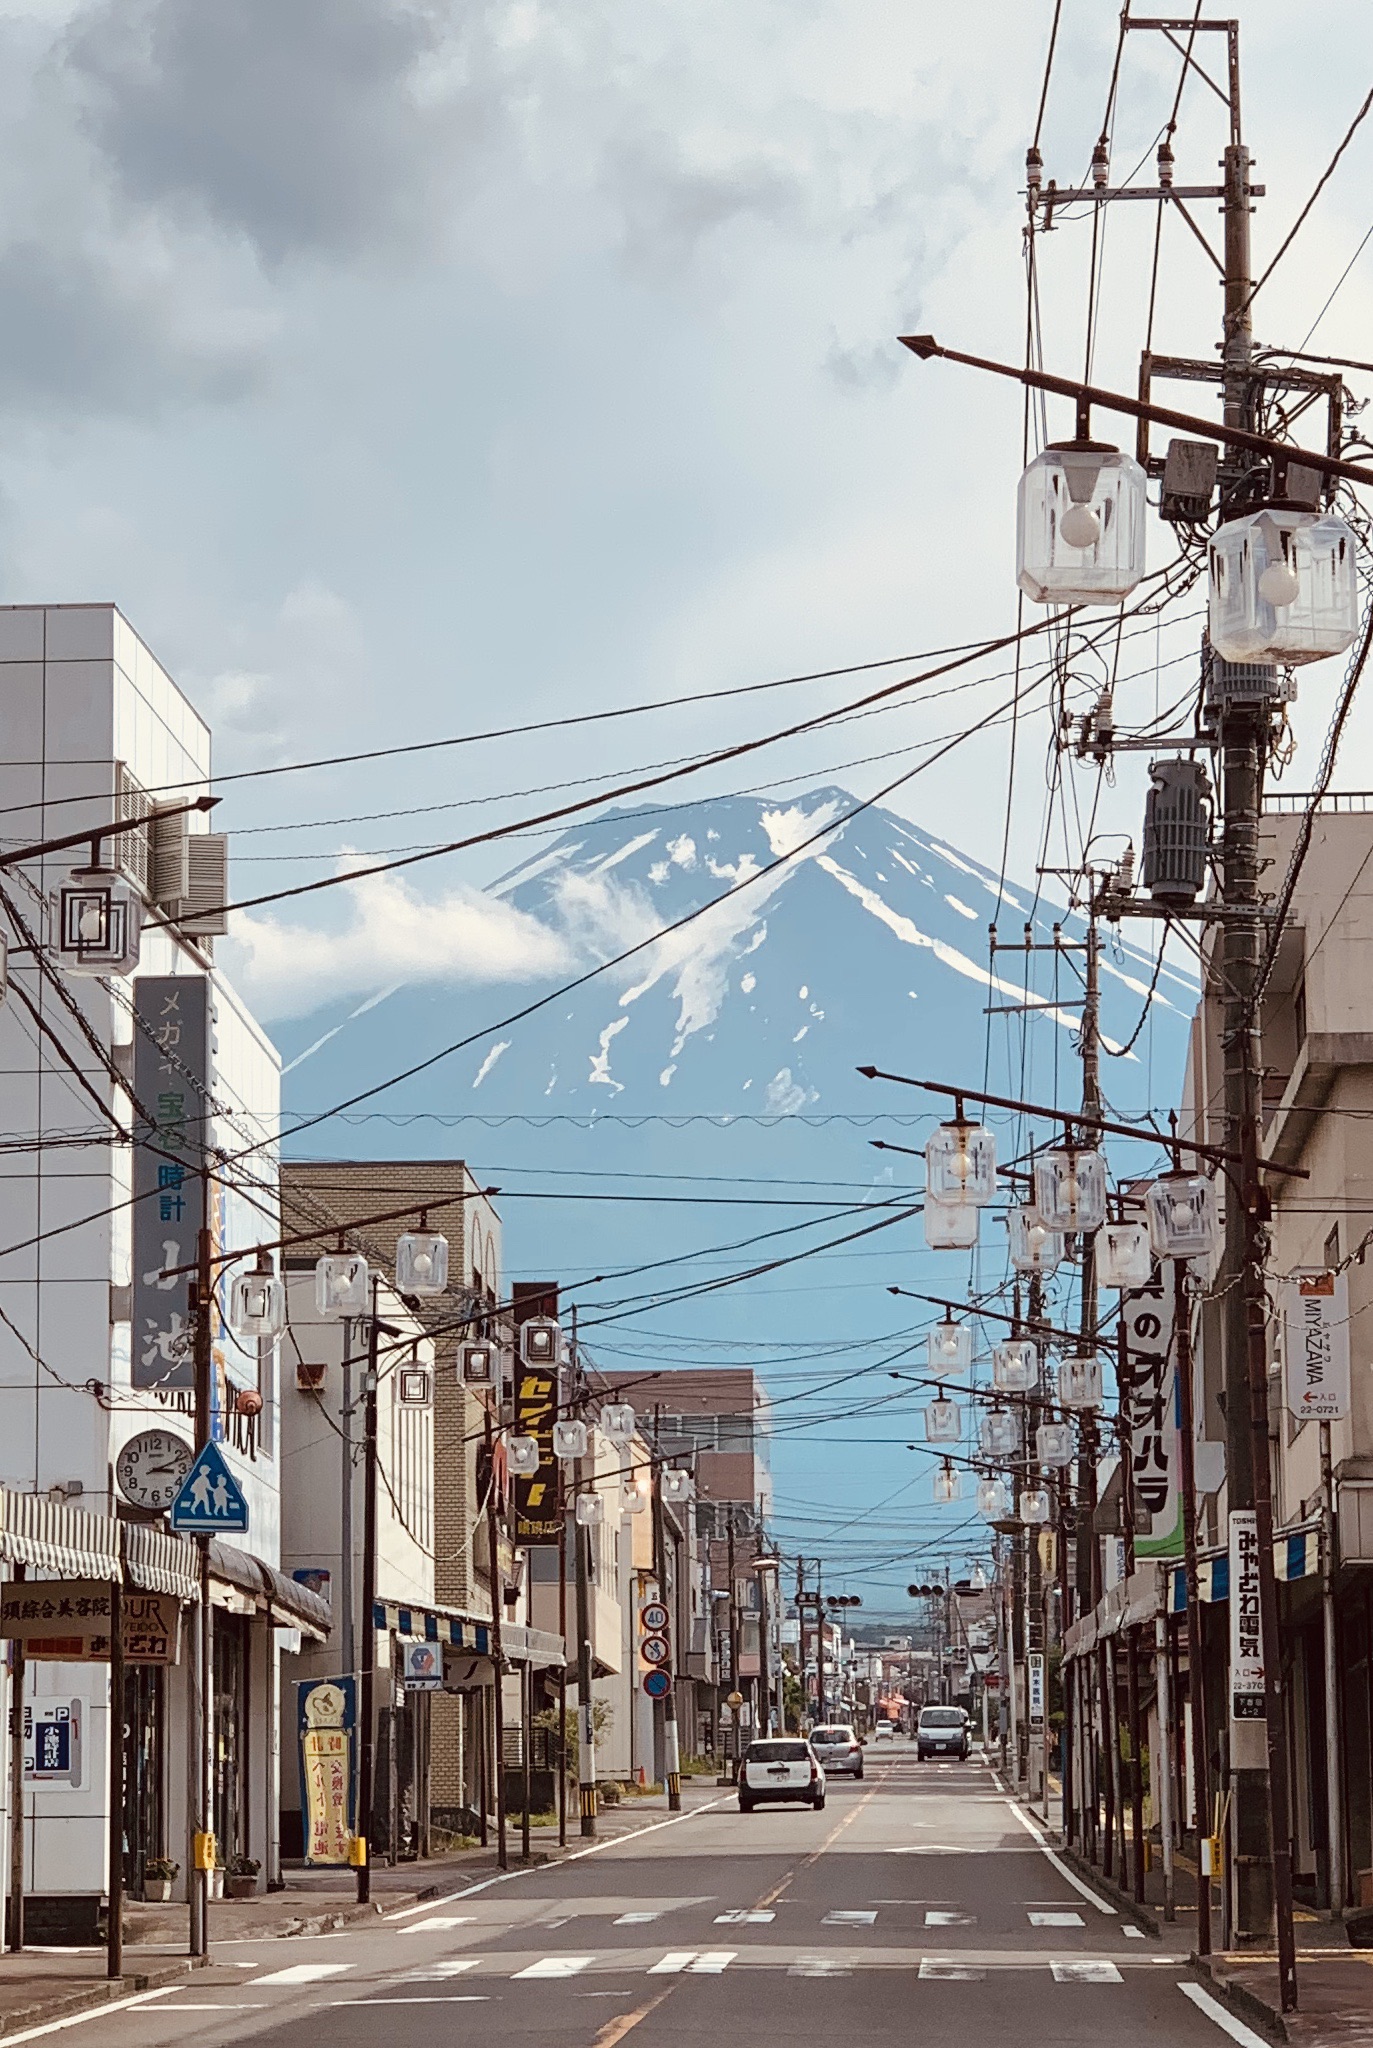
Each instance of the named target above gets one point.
<point>1315,1339</point>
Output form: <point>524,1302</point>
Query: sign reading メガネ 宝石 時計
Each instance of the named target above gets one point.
<point>171,1064</point>
<point>1315,1340</point>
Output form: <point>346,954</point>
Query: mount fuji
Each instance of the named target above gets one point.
<point>698,1105</point>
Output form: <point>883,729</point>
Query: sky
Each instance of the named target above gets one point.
<point>394,366</point>
<point>404,370</point>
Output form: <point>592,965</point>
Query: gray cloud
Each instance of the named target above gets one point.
<point>314,126</point>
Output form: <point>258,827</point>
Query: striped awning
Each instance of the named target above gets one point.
<point>48,1536</point>
<point>433,1625</point>
<point>157,1562</point>
<point>1295,1556</point>
<point>1299,1556</point>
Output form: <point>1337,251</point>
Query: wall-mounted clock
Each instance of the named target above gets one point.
<point>151,1467</point>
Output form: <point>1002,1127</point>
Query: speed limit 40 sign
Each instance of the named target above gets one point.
<point>653,1617</point>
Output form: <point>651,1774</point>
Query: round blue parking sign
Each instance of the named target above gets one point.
<point>657,1684</point>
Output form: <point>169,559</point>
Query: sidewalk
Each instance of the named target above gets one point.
<point>43,1985</point>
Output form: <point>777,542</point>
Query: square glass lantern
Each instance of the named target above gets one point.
<point>590,1510</point>
<point>1070,1188</point>
<point>1034,1506</point>
<point>1000,1433</point>
<point>1054,1443</point>
<point>257,1305</point>
<point>569,1439</point>
<point>541,1341</point>
<point>993,1499</point>
<point>950,1226</point>
<point>960,1165</point>
<point>1034,1247</point>
<point>946,1486</point>
<point>949,1347</point>
<point>1183,1219</point>
<point>479,1365</point>
<point>617,1422</point>
<point>639,1494</point>
<point>1079,1383</point>
<point>1284,587</point>
<point>522,1456</point>
<point>676,1485</point>
<point>341,1287</point>
<point>1123,1255</point>
<point>1080,524</point>
<point>1015,1366</point>
<point>943,1422</point>
<point>99,923</point>
<point>421,1262</point>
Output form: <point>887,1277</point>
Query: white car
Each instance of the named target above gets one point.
<point>782,1767</point>
<point>883,1732</point>
<point>838,1749</point>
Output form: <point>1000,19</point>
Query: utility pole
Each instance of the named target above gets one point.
<point>1182,1338</point>
<point>203,1851</point>
<point>586,1720</point>
<point>672,1762</point>
<point>497,1649</point>
<point>367,1734</point>
<point>347,1627</point>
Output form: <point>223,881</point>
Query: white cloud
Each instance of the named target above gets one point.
<point>287,970</point>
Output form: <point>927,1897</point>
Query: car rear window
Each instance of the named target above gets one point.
<point>941,1717</point>
<point>832,1735</point>
<point>777,1752</point>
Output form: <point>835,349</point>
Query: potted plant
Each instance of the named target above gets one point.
<point>241,1878</point>
<point>159,1875</point>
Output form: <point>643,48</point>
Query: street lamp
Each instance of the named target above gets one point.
<point>1080,523</point>
<point>1284,586</point>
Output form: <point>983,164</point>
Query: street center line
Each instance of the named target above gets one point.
<point>615,2030</point>
<point>1213,2010</point>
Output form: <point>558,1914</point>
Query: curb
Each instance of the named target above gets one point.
<point>1245,2004</point>
<point>1123,1901</point>
<point>96,1995</point>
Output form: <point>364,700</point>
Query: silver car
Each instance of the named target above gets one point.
<point>838,1749</point>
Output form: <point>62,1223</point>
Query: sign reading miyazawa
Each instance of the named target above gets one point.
<point>1316,1346</point>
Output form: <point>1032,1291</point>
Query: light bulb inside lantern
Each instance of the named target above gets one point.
<point>1278,585</point>
<point>1080,527</point>
<point>90,923</point>
<point>422,1265</point>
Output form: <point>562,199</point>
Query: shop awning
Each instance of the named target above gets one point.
<point>157,1562</point>
<point>1296,1555</point>
<point>269,1591</point>
<point>48,1536</point>
<point>433,1625</point>
<point>534,1646</point>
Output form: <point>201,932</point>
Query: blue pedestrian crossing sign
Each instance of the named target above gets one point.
<point>211,1499</point>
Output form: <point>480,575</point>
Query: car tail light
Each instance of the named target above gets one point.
<point>814,1772</point>
<point>855,1745</point>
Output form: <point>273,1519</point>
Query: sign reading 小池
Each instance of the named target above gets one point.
<point>68,1620</point>
<point>1246,1626</point>
<point>327,1720</point>
<point>1315,1327</point>
<point>171,1064</point>
<point>1149,1391</point>
<point>538,1494</point>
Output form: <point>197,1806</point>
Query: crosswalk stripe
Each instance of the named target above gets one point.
<point>956,1973</point>
<point>936,1918</point>
<point>1056,1920</point>
<point>819,1966</point>
<point>676,1959</point>
<point>837,1919</point>
<point>713,1961</point>
<point>1133,1933</point>
<point>1086,1973</point>
<point>637,1919</point>
<point>439,1924</point>
<point>739,1917</point>
<point>554,1966</point>
<point>302,1973</point>
<point>452,1966</point>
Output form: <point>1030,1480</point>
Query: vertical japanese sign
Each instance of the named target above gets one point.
<point>1315,1331</point>
<point>538,1495</point>
<point>1246,1628</point>
<point>171,1071</point>
<point>1151,1397</point>
<point>1036,1688</point>
<point>327,1720</point>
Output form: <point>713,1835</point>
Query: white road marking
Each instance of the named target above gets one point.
<point>957,1973</point>
<point>1056,1920</point>
<point>1060,1866</point>
<point>1203,2001</point>
<point>440,1923</point>
<point>819,1966</point>
<point>1133,1933</point>
<point>637,1919</point>
<point>937,1919</point>
<point>738,1916</point>
<point>453,1966</point>
<point>302,1973</point>
<point>713,1961</point>
<point>93,2012</point>
<point>1086,1973</point>
<point>676,1959</point>
<point>848,1920</point>
<point>553,1966</point>
<point>228,2005</point>
<point>449,1998</point>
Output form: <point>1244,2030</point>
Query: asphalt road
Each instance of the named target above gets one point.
<point>919,1904</point>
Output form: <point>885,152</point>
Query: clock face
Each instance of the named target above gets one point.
<point>151,1467</point>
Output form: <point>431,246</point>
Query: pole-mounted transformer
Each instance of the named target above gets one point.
<point>1177,832</point>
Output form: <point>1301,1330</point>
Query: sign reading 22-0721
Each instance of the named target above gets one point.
<point>1315,1337</point>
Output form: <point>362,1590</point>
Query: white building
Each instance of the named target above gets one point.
<point>93,1350</point>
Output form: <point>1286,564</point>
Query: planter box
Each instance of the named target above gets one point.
<point>158,1890</point>
<point>240,1887</point>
